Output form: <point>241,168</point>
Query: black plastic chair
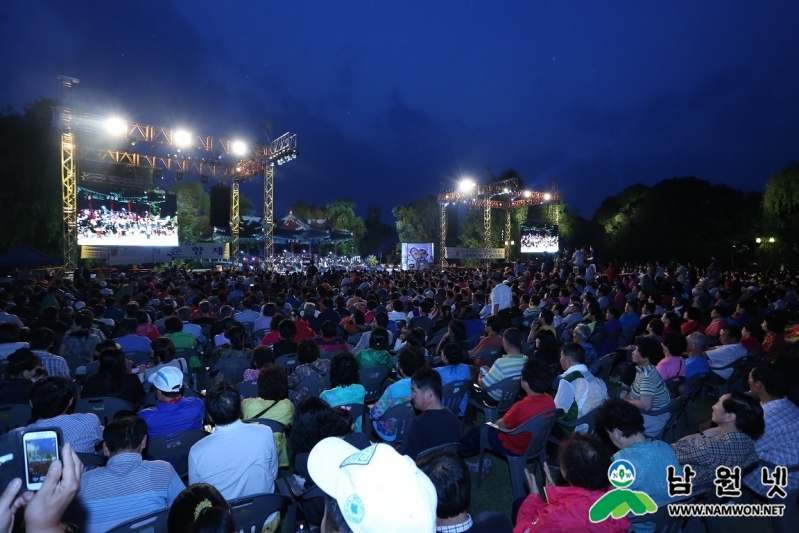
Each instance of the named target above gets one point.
<point>250,513</point>
<point>248,389</point>
<point>288,361</point>
<point>452,447</point>
<point>372,379</point>
<point>149,523</point>
<point>539,427</point>
<point>309,500</point>
<point>174,448</point>
<point>571,425</point>
<point>232,368</point>
<point>719,385</point>
<point>452,394</point>
<point>508,389</point>
<point>104,408</point>
<point>693,386</point>
<point>668,433</point>
<point>606,364</point>
<point>138,358</point>
<point>402,414</point>
<point>315,383</point>
<point>13,416</point>
<point>488,356</point>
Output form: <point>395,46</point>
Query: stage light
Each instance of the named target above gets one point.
<point>238,147</point>
<point>115,126</point>
<point>203,178</point>
<point>771,239</point>
<point>182,138</point>
<point>758,240</point>
<point>466,185</point>
<point>547,196</point>
<point>178,176</point>
<point>133,141</point>
<point>527,194</point>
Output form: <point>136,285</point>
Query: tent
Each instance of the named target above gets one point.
<point>25,256</point>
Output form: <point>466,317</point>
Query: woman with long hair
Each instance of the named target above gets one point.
<point>113,379</point>
<point>377,352</point>
<point>79,340</point>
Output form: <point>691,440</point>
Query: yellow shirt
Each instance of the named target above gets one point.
<point>283,412</point>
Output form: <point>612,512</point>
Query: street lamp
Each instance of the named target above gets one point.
<point>758,240</point>
<point>771,239</point>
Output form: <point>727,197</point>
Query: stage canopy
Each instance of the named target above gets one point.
<point>25,256</point>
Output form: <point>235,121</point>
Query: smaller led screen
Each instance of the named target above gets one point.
<point>539,238</point>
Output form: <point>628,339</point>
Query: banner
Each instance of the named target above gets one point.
<point>474,253</point>
<point>129,255</point>
<point>417,256</point>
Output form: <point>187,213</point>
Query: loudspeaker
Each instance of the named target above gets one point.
<point>170,207</point>
<point>220,206</point>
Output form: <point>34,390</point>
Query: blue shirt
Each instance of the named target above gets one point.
<point>166,418</point>
<point>650,459</point>
<point>450,373</point>
<point>696,365</point>
<point>126,488</point>
<point>133,343</point>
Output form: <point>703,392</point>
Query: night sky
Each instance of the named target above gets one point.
<point>389,98</point>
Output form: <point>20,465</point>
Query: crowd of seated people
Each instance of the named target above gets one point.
<point>130,334</point>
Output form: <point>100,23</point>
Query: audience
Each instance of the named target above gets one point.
<point>127,486</point>
<point>344,386</point>
<point>23,368</point>
<point>409,360</point>
<point>435,425</point>
<point>114,380</point>
<point>173,412</point>
<point>50,399</point>
<point>272,403</point>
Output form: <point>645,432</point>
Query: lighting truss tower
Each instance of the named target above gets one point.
<point>234,221</point>
<point>505,195</point>
<point>281,151</point>
<point>69,182</point>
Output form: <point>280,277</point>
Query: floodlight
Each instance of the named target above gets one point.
<point>238,148</point>
<point>466,185</point>
<point>771,239</point>
<point>527,194</point>
<point>115,126</point>
<point>182,138</point>
<point>547,196</point>
<point>758,240</point>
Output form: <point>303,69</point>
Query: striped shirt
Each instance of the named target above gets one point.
<point>54,364</point>
<point>501,297</point>
<point>127,487</point>
<point>507,366</point>
<point>81,430</point>
<point>649,383</point>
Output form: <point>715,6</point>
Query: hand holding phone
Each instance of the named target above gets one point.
<point>41,449</point>
<point>46,507</point>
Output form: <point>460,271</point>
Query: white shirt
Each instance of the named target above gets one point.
<point>501,297</point>
<point>246,316</point>
<point>238,459</point>
<point>724,355</point>
<point>7,317</point>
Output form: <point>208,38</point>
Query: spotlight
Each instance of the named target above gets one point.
<point>158,174</point>
<point>547,196</point>
<point>466,185</point>
<point>203,178</point>
<point>115,126</point>
<point>527,194</point>
<point>182,138</point>
<point>133,141</point>
<point>238,148</point>
<point>178,176</point>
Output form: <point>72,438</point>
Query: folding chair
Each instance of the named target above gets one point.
<point>508,389</point>
<point>250,513</point>
<point>13,416</point>
<point>539,427</point>
<point>452,395</point>
<point>287,361</point>
<point>104,408</point>
<point>248,389</point>
<point>315,383</point>
<point>372,379</point>
<point>149,523</point>
<point>174,448</point>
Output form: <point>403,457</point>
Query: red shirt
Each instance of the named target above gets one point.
<point>520,413</point>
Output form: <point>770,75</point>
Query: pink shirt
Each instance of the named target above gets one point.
<point>671,367</point>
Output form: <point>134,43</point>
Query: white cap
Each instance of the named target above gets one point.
<point>167,379</point>
<point>79,305</point>
<point>364,483</point>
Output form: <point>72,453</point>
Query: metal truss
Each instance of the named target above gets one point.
<point>69,200</point>
<point>507,234</point>
<point>442,249</point>
<point>269,214</point>
<point>234,221</point>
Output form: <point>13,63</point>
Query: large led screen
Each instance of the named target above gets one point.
<point>126,218</point>
<point>539,238</point>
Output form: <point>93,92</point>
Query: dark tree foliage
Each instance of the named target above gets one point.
<point>678,218</point>
<point>30,178</point>
<point>380,238</point>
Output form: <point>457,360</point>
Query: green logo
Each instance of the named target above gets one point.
<point>620,501</point>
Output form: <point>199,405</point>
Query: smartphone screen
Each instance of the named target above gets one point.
<point>41,449</point>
